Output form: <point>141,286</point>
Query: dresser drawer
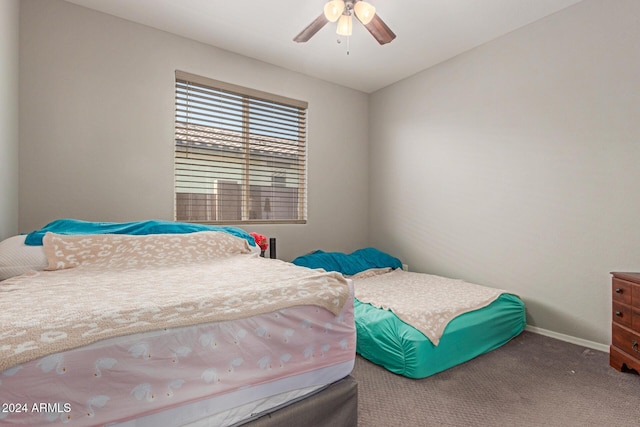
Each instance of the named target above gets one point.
<point>626,340</point>
<point>626,315</point>
<point>622,314</point>
<point>621,291</point>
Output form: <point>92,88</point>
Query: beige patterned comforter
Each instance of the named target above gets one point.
<point>426,302</point>
<point>110,285</point>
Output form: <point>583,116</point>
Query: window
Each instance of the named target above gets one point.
<point>240,154</point>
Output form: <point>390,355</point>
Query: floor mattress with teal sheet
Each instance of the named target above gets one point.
<point>417,325</point>
<point>386,340</point>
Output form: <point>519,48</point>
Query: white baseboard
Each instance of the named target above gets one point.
<point>568,338</point>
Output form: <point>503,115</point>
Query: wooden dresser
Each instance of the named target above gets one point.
<point>624,353</point>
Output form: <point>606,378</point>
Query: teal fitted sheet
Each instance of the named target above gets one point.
<point>386,340</point>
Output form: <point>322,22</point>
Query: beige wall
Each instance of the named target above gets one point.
<point>9,24</point>
<point>516,165</point>
<point>96,143</point>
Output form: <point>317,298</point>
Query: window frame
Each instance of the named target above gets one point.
<point>249,98</point>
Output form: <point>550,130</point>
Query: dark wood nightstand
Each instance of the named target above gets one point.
<point>624,353</point>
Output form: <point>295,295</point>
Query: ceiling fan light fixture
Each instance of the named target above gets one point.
<point>343,11</point>
<point>333,10</point>
<point>345,25</point>
<point>364,11</point>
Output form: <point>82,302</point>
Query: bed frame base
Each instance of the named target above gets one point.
<point>336,405</point>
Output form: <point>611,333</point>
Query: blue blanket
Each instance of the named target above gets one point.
<point>349,264</point>
<point>75,226</point>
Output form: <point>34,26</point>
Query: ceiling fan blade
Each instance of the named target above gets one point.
<point>313,28</point>
<point>380,31</point>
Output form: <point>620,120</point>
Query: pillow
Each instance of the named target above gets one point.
<point>122,251</point>
<point>76,226</point>
<point>348,264</point>
<point>16,258</point>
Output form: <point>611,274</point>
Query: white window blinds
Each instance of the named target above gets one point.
<point>240,154</point>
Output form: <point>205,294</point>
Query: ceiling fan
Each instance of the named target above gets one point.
<point>343,11</point>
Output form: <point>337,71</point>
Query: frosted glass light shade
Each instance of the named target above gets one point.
<point>364,11</point>
<point>333,10</point>
<point>345,25</point>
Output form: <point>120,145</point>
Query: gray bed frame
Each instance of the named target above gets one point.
<point>334,405</point>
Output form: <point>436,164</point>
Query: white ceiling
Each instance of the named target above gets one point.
<point>428,32</point>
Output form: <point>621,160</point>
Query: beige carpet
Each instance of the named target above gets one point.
<point>531,381</point>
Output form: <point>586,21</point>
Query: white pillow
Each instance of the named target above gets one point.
<point>16,258</point>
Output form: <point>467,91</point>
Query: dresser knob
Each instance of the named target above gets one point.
<point>619,313</point>
<point>634,346</point>
<point>618,291</point>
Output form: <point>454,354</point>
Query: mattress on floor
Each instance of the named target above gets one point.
<point>386,340</point>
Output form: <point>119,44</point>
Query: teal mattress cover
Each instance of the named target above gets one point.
<point>386,340</point>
